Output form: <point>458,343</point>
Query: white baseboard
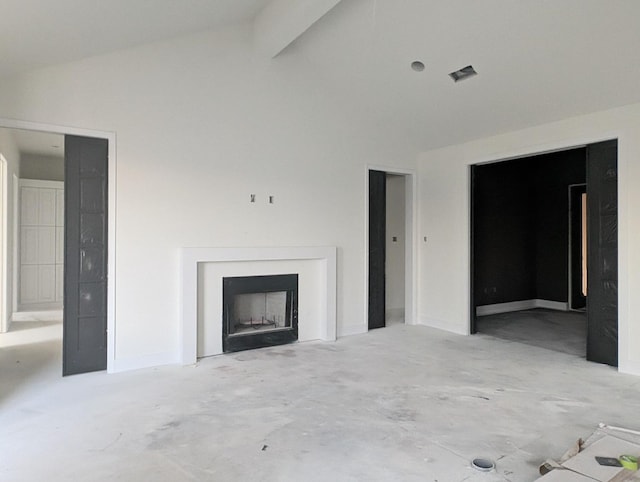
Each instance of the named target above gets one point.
<point>520,306</point>
<point>48,315</point>
<point>552,305</point>
<point>350,330</point>
<point>124,364</point>
<point>56,306</point>
<point>441,325</point>
<point>629,367</point>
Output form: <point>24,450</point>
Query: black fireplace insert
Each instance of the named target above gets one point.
<point>259,311</point>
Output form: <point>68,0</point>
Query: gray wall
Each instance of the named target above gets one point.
<point>395,250</point>
<point>46,168</point>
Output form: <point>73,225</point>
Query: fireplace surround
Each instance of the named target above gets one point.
<point>202,271</point>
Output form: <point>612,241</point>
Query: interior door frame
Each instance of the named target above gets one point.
<point>623,247</point>
<point>5,322</point>
<point>570,189</point>
<point>111,222</point>
<point>410,256</point>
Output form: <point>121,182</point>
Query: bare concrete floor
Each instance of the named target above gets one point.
<point>564,331</point>
<point>403,403</point>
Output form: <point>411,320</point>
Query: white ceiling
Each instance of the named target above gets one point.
<point>538,60</point>
<point>39,143</point>
<point>35,33</point>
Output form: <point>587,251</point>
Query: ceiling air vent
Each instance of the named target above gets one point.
<point>463,73</point>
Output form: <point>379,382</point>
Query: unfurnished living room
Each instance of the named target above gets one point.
<point>319,240</point>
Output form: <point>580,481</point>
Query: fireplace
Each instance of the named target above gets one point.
<point>203,270</point>
<point>259,311</point>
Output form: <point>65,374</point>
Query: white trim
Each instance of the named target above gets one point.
<point>351,330</point>
<point>125,364</point>
<point>629,367</point>
<point>443,326</point>
<point>111,246</point>
<point>496,308</point>
<point>5,322</point>
<point>15,231</point>
<point>570,254</point>
<point>41,183</point>
<point>191,257</point>
<point>411,248</point>
<point>49,315</point>
<point>552,305</point>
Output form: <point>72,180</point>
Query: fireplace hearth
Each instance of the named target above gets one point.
<point>259,311</point>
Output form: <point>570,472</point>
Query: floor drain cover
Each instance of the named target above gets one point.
<point>484,465</point>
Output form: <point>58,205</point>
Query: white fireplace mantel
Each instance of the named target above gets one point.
<point>192,257</point>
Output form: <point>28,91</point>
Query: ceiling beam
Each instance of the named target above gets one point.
<point>283,21</point>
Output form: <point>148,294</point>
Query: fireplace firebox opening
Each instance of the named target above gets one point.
<point>259,311</point>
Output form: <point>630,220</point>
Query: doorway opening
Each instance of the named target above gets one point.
<point>390,200</point>
<point>544,250</point>
<point>33,228</point>
<point>54,279</point>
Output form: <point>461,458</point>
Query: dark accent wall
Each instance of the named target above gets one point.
<point>504,247</point>
<point>521,231</point>
<point>553,175</point>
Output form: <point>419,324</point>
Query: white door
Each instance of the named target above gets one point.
<point>41,244</point>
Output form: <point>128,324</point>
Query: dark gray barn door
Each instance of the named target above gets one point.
<point>602,260</point>
<point>377,246</point>
<point>473,317</point>
<point>85,260</point>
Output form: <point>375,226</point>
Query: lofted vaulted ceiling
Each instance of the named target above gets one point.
<point>36,33</point>
<point>537,60</point>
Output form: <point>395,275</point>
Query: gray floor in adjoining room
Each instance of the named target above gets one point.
<point>564,331</point>
<point>404,403</point>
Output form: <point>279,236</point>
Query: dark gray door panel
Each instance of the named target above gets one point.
<point>377,246</point>
<point>85,261</point>
<point>602,262</point>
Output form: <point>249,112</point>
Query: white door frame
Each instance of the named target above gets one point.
<point>111,223</point>
<point>410,256</point>
<point>15,232</point>
<point>570,256</point>
<point>5,322</point>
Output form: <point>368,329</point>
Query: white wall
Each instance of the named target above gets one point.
<point>395,250</point>
<point>9,150</point>
<point>46,168</point>
<point>444,216</point>
<point>201,124</point>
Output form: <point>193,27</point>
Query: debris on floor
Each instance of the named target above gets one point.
<point>610,454</point>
